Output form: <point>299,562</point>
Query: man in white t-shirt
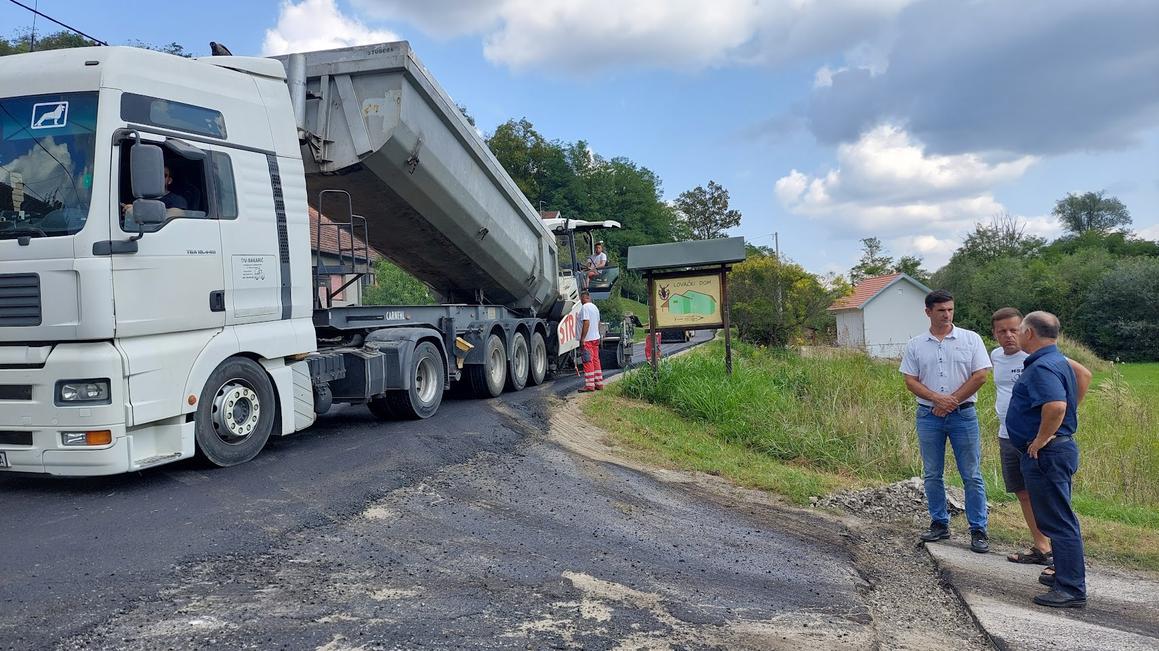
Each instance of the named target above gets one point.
<point>596,261</point>
<point>589,336</point>
<point>1008,361</point>
<point>944,368</point>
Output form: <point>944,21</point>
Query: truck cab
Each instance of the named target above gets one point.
<point>109,328</point>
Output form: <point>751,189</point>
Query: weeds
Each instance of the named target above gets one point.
<point>852,415</point>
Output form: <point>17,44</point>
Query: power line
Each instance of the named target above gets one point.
<point>68,27</point>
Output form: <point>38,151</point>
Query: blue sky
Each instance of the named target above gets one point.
<point>828,121</point>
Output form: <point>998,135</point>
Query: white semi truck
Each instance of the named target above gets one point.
<point>158,294</point>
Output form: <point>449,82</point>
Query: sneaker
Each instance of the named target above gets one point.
<point>1058,599</point>
<point>979,541</point>
<point>937,531</point>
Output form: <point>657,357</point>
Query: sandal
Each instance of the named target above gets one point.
<point>1032,556</point>
<point>1047,576</point>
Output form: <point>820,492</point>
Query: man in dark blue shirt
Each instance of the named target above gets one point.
<point>1042,420</point>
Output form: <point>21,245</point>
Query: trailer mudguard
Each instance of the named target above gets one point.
<point>405,340</point>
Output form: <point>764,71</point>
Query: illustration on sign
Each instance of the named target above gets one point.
<point>49,115</point>
<point>693,301</point>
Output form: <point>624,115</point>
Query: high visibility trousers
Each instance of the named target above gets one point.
<point>593,372</point>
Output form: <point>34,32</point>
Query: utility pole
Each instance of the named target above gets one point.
<point>781,278</point>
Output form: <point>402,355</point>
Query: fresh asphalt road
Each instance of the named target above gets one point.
<point>470,529</point>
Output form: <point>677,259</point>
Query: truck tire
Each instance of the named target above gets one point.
<point>519,364</point>
<point>236,413</point>
<point>613,357</point>
<point>428,379</point>
<point>487,379</point>
<point>537,368</point>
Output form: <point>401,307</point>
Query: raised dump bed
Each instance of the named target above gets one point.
<point>436,200</point>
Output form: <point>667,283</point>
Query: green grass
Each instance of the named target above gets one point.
<point>652,431</point>
<point>1143,378</point>
<point>846,420</point>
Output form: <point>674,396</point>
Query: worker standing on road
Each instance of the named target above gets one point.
<point>589,337</point>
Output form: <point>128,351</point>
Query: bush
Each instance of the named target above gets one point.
<point>393,286</point>
<point>852,414</point>
<point>1120,317</point>
<point>774,302</point>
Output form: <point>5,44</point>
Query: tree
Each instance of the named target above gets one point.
<point>912,266</point>
<point>393,286</point>
<point>1005,235</point>
<point>706,212</point>
<point>773,302</point>
<point>26,41</point>
<point>873,261</point>
<point>1120,317</point>
<point>1091,211</point>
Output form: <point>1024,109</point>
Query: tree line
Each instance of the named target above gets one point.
<point>1100,279</point>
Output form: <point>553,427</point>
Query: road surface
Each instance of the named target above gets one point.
<point>471,529</point>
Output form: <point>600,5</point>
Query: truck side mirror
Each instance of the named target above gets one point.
<point>147,172</point>
<point>149,212</point>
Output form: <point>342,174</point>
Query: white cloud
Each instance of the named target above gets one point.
<point>1149,232</point>
<point>887,185</point>
<point>318,25</point>
<point>934,251</point>
<point>582,36</point>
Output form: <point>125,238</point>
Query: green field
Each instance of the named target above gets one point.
<point>800,426</point>
<point>1143,378</point>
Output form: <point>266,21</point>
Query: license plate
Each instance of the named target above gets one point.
<point>4,460</point>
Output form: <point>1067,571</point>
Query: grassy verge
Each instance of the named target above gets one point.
<point>805,427</point>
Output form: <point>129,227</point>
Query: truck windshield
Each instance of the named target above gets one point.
<point>46,163</point>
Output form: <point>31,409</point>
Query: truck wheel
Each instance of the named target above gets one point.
<point>537,370</point>
<point>517,366</point>
<point>487,379</point>
<point>428,379</point>
<point>613,357</point>
<point>236,413</point>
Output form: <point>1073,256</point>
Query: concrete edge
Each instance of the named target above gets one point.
<point>946,578</point>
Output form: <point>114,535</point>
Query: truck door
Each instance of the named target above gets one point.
<point>173,282</point>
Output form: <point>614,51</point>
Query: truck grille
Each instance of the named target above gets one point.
<point>19,300</point>
<point>8,437</point>
<point>15,392</point>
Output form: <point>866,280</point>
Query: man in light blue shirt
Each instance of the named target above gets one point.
<point>944,368</point>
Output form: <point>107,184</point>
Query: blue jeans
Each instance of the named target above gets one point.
<point>1048,480</point>
<point>961,428</point>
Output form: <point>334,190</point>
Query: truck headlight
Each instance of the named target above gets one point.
<point>77,392</point>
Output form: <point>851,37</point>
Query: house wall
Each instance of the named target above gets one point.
<point>850,329</point>
<point>892,318</point>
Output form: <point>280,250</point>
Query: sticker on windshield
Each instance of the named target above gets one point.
<point>49,115</point>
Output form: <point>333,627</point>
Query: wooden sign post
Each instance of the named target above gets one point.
<point>688,287</point>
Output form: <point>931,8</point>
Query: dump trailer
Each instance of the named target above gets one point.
<point>159,297</point>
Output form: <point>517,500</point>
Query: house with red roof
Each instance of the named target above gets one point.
<point>881,315</point>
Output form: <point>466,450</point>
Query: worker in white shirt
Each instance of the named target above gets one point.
<point>596,261</point>
<point>589,336</point>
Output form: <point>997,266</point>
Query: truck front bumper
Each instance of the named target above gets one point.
<point>34,423</point>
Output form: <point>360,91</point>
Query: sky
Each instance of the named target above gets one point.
<point>827,120</point>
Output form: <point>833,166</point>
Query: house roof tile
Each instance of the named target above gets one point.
<point>330,238</point>
<point>864,291</point>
